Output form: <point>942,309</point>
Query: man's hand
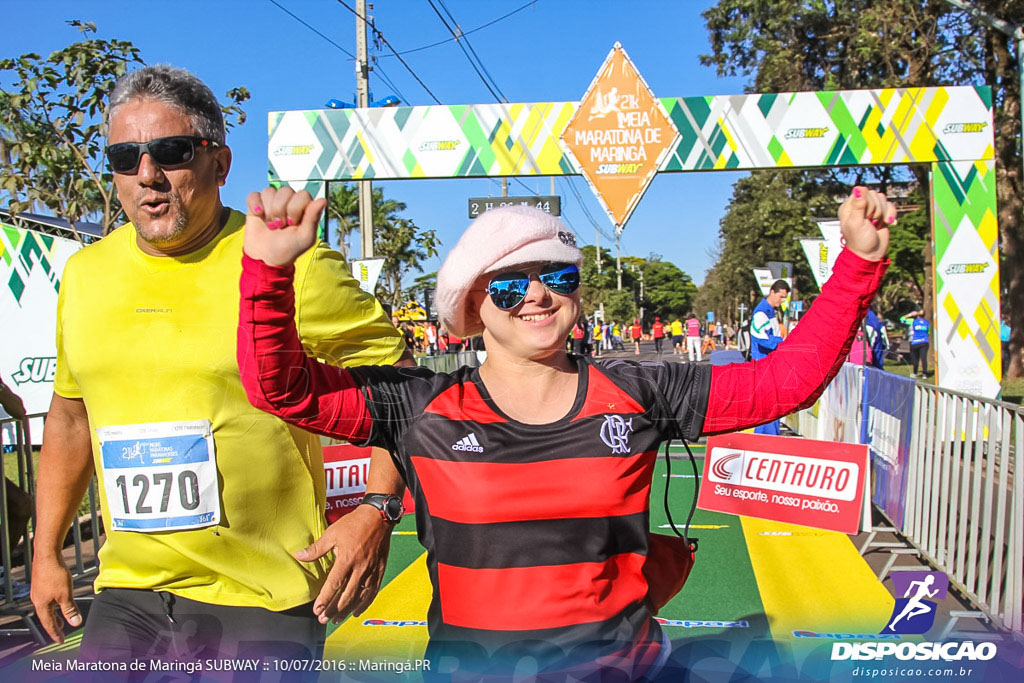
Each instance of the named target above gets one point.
<point>360,541</point>
<point>52,590</point>
<point>281,225</point>
<point>865,218</point>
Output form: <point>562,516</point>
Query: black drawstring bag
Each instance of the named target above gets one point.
<point>670,558</point>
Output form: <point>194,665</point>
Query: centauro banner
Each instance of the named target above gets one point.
<point>31,265</point>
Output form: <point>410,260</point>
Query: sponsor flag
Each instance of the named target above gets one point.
<point>799,481</point>
<point>366,272</point>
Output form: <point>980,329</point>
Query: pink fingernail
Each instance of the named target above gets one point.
<point>290,222</point>
<point>890,219</point>
<point>857,192</point>
<point>275,224</point>
<point>257,209</point>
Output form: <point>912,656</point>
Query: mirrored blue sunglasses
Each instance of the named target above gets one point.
<point>507,290</point>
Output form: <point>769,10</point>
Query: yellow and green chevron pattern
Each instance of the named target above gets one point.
<point>892,126</point>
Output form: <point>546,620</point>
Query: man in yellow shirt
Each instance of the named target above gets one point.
<point>214,511</point>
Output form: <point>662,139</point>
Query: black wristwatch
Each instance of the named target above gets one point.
<point>388,504</point>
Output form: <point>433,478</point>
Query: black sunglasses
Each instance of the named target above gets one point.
<point>169,152</point>
<point>507,290</point>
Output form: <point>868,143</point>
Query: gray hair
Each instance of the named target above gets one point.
<point>177,88</point>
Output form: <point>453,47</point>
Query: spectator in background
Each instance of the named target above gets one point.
<point>431,335</point>
<point>598,339</point>
<point>1004,339</point>
<point>728,334</point>
<point>919,336</point>
<point>658,334</point>
<point>878,339</point>
<point>19,503</point>
<point>693,337</point>
<point>765,335</point>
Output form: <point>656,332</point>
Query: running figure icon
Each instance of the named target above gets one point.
<point>915,611</point>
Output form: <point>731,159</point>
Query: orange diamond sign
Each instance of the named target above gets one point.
<point>618,135</point>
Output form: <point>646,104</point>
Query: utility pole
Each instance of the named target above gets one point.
<point>641,294</point>
<point>363,93</point>
<point>597,243</point>
<point>618,261</point>
<point>742,308</point>
<point>504,187</point>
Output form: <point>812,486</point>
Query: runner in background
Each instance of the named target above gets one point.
<point>637,333</point>
<point>512,581</point>
<point>693,338</point>
<point>579,334</point>
<point>658,334</point>
<point>677,336</point>
<point>617,336</point>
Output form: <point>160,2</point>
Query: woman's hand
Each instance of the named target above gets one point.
<point>281,224</point>
<point>865,218</point>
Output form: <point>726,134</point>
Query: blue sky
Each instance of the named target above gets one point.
<point>549,51</point>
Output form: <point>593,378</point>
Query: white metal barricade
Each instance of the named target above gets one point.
<point>965,486</point>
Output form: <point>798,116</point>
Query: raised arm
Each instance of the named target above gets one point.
<point>795,374</point>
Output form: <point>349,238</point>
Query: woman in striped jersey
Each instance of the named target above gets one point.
<point>531,473</point>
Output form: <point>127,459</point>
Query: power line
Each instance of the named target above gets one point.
<point>393,51</point>
<point>379,69</point>
<point>387,81</point>
<point>296,18</point>
<point>474,30</point>
<point>463,45</point>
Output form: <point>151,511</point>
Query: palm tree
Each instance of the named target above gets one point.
<point>343,205</point>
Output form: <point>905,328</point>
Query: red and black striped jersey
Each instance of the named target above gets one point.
<point>536,534</point>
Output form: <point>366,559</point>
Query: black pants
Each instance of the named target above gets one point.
<point>919,352</point>
<point>126,625</point>
<point>658,341</point>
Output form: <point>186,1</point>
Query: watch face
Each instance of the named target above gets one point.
<point>393,508</point>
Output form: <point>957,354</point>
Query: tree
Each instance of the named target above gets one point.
<point>795,45</point>
<point>668,291</point>
<point>401,243</point>
<point>343,206</point>
<point>52,128</point>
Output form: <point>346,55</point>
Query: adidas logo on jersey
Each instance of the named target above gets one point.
<point>468,443</point>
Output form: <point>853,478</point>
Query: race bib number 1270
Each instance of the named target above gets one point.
<point>160,476</point>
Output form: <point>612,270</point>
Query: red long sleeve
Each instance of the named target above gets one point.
<point>794,375</point>
<point>277,374</point>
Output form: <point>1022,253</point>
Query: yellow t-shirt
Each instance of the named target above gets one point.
<point>145,339</point>
<point>677,328</point>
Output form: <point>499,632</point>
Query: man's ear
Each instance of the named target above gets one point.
<point>223,161</point>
